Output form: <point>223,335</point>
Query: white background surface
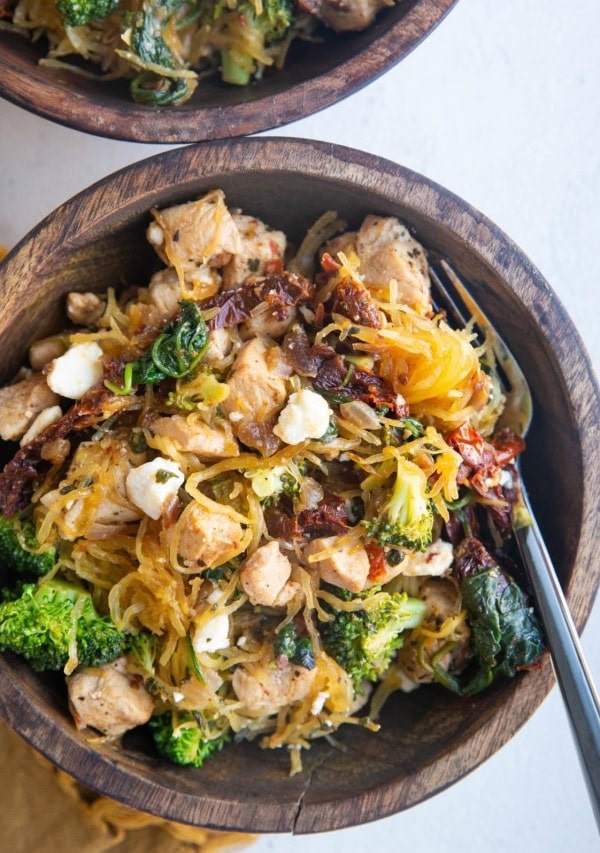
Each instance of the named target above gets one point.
<point>501,105</point>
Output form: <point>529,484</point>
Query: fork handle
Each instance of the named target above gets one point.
<point>572,673</point>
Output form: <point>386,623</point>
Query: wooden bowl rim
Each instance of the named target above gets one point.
<point>128,190</point>
<point>137,123</point>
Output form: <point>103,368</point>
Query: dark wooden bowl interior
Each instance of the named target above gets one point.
<point>315,75</point>
<point>429,739</point>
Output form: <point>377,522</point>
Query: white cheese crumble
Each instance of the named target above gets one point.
<point>213,635</point>
<point>319,702</point>
<point>152,485</point>
<point>74,373</point>
<point>177,696</point>
<point>306,415</point>
<point>155,234</point>
<point>44,419</point>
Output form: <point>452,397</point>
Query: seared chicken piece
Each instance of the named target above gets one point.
<point>256,395</point>
<point>201,232</point>
<point>387,251</point>
<point>442,597</point>
<point>21,403</point>
<point>164,293</point>
<point>344,15</point>
<point>106,508</point>
<point>84,309</point>
<point>109,698</point>
<point>434,561</point>
<point>219,347</point>
<point>265,574</point>
<point>206,442</point>
<point>345,565</point>
<point>43,352</point>
<point>207,536</point>
<point>263,688</point>
<point>261,252</point>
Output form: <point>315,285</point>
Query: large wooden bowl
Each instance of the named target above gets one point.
<point>429,738</point>
<point>315,76</point>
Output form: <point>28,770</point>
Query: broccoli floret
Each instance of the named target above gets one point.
<point>142,647</point>
<point>270,484</point>
<point>38,626</point>
<point>17,542</point>
<point>238,66</point>
<point>406,517</point>
<point>364,642</point>
<point>297,649</point>
<point>186,741</point>
<point>76,13</point>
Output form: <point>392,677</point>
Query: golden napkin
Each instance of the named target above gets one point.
<point>44,810</point>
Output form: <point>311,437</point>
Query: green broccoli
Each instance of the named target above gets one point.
<point>38,626</point>
<point>271,26</point>
<point>76,13</point>
<point>505,632</point>
<point>17,544</point>
<point>406,517</point>
<point>187,741</point>
<point>297,649</point>
<point>270,484</point>
<point>143,648</point>
<point>364,642</point>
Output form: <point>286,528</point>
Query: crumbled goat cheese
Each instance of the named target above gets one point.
<point>319,702</point>
<point>155,234</point>
<point>74,373</point>
<point>152,485</point>
<point>306,415</point>
<point>213,635</point>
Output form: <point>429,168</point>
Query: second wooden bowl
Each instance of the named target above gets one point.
<point>315,75</point>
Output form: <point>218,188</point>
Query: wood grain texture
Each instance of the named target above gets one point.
<point>429,738</point>
<point>315,76</point>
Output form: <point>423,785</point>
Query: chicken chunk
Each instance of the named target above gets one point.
<point>345,565</point>
<point>198,438</point>
<point>109,698</point>
<point>207,537</point>
<point>84,309</point>
<point>43,352</point>
<point>263,689</point>
<point>387,251</point>
<point>105,509</point>
<point>264,574</point>
<point>220,345</point>
<point>256,395</point>
<point>344,15</point>
<point>434,561</point>
<point>189,235</point>
<point>21,403</point>
<point>268,321</point>
<point>442,599</point>
<point>164,293</point>
<point>261,252</point>
<point>46,418</point>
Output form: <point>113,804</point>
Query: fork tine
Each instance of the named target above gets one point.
<point>518,411</point>
<point>449,304</point>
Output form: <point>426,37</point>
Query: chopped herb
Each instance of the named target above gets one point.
<point>162,475</point>
<point>137,441</point>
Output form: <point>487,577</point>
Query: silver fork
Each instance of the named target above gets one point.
<point>571,670</point>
